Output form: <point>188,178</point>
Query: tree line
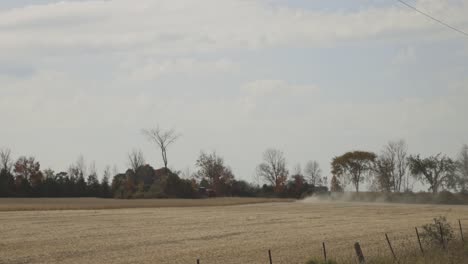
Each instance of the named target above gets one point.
<point>24,178</point>
<point>392,170</point>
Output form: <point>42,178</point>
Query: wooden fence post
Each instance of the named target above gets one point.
<point>324,252</point>
<point>419,240</point>
<point>269,255</point>
<point>391,248</point>
<point>442,240</point>
<point>461,230</point>
<point>359,253</point>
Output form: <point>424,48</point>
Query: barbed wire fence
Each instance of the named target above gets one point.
<point>394,244</point>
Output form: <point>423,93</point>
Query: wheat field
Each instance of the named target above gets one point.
<point>293,231</point>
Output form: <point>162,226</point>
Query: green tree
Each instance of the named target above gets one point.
<point>176,187</point>
<point>93,186</point>
<point>438,171</point>
<point>80,187</point>
<point>105,187</point>
<point>354,166</point>
<point>7,183</point>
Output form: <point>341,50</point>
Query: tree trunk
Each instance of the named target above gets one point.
<point>163,152</point>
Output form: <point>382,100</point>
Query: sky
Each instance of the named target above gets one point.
<point>313,78</point>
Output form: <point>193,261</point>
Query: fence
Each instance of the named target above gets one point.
<point>394,244</point>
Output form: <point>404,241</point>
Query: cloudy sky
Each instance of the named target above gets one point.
<point>314,78</point>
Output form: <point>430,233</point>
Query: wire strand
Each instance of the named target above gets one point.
<point>433,18</point>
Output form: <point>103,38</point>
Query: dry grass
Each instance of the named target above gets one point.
<point>218,234</point>
<point>42,204</point>
<point>435,255</point>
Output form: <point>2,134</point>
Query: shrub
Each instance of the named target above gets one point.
<point>431,234</point>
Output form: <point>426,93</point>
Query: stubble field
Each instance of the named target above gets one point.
<point>293,231</point>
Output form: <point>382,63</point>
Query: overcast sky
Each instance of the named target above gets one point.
<point>314,78</point>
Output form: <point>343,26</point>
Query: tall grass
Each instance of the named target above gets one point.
<point>456,253</point>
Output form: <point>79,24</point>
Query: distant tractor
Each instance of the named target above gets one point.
<point>206,192</point>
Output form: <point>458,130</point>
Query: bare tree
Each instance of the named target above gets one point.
<point>107,172</point>
<point>397,151</point>
<point>313,173</point>
<point>162,138</point>
<point>438,171</point>
<point>297,169</point>
<point>78,170</point>
<point>115,170</point>
<point>391,167</point>
<point>92,168</point>
<point>6,162</point>
<point>187,173</point>
<point>462,169</point>
<point>273,169</point>
<point>92,181</point>
<point>136,159</point>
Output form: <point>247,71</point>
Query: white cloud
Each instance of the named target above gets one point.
<point>405,55</point>
<point>268,95</point>
<point>164,27</point>
<point>260,88</point>
<point>153,69</point>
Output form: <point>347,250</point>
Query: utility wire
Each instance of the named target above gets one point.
<point>433,18</point>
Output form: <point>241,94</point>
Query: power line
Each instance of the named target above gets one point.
<point>433,18</point>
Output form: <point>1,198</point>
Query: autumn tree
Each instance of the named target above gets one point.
<point>335,185</point>
<point>211,167</point>
<point>354,166</point>
<point>162,138</point>
<point>28,169</point>
<point>135,159</point>
<point>273,169</point>
<point>438,171</point>
<point>313,173</point>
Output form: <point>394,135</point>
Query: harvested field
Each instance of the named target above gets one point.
<point>216,234</point>
<point>39,204</point>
